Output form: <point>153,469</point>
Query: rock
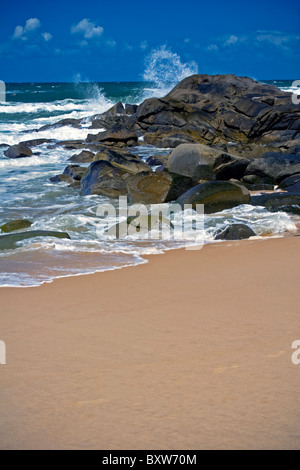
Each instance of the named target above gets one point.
<point>104,179</point>
<point>121,159</point>
<point>194,160</point>
<point>118,108</point>
<point>272,164</point>
<point>36,142</point>
<point>291,184</point>
<point>18,151</point>
<point>154,161</point>
<point>287,202</point>
<point>83,157</point>
<point>75,172</point>
<point>149,188</point>
<point>234,169</point>
<point>15,225</point>
<point>61,179</point>
<point>8,242</point>
<point>235,232</point>
<point>121,137</point>
<point>62,123</point>
<point>288,171</point>
<point>180,185</point>
<point>169,139</point>
<point>130,108</point>
<point>216,196</point>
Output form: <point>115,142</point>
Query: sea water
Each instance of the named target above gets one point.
<point>26,192</point>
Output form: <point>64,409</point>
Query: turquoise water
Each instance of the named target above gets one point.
<point>26,192</point>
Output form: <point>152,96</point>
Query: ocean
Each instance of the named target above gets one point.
<point>26,192</point>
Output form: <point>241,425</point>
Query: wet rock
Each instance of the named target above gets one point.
<point>216,196</point>
<point>235,232</point>
<point>74,171</point>
<point>83,157</point>
<point>14,225</point>
<point>8,242</point>
<point>272,164</point>
<point>104,179</point>
<point>149,188</point>
<point>18,151</point>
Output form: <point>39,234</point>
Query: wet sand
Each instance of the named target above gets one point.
<point>190,351</point>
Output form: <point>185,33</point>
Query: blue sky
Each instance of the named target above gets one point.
<point>109,40</point>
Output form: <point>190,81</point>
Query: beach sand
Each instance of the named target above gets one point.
<point>190,351</point>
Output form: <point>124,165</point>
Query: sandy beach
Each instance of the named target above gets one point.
<point>190,351</point>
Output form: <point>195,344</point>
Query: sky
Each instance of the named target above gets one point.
<point>65,40</point>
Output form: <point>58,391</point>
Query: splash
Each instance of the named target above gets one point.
<point>165,69</point>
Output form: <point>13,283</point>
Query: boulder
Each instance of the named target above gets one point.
<point>18,151</point>
<point>116,136</point>
<point>130,108</point>
<point>61,179</point>
<point>83,157</point>
<point>291,184</point>
<point>121,159</point>
<point>216,196</point>
<point>14,225</point>
<point>142,223</point>
<point>234,169</point>
<point>104,179</point>
<point>180,185</point>
<point>288,171</point>
<point>118,108</point>
<point>149,188</point>
<point>235,232</point>
<point>8,242</point>
<point>74,171</point>
<point>272,164</point>
<point>286,202</point>
<point>194,160</point>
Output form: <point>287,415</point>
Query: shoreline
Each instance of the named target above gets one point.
<point>190,350</point>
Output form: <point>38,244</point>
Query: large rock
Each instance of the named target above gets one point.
<point>286,202</point>
<point>194,160</point>
<point>233,169</point>
<point>121,159</point>
<point>180,185</point>
<point>14,225</point>
<point>216,196</point>
<point>118,136</point>
<point>235,232</point>
<point>18,151</point>
<point>83,157</point>
<point>272,164</point>
<point>291,184</point>
<point>74,171</point>
<point>149,188</point>
<point>104,179</point>
<point>8,242</point>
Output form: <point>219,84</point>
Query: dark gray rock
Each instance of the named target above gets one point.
<point>235,232</point>
<point>8,242</point>
<point>104,179</point>
<point>194,160</point>
<point>216,196</point>
<point>18,151</point>
<point>291,184</point>
<point>272,164</point>
<point>234,169</point>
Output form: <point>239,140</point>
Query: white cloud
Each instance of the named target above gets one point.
<point>144,45</point>
<point>111,43</point>
<point>212,48</point>
<point>231,40</point>
<point>87,28</point>
<point>32,24</point>
<point>47,36</point>
<point>187,40</point>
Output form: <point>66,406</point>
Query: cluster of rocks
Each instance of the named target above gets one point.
<point>230,135</point>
